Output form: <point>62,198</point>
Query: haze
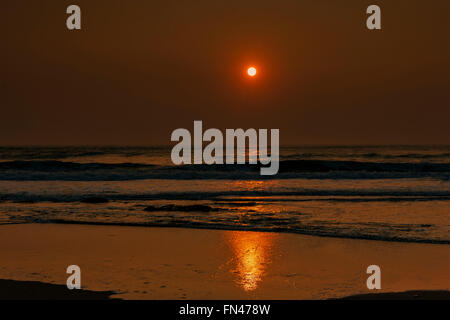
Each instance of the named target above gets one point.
<point>140,69</point>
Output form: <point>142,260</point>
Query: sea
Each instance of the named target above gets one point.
<point>386,193</point>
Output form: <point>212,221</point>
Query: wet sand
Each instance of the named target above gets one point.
<point>172,263</point>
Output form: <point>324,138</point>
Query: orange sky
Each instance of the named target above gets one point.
<point>140,69</point>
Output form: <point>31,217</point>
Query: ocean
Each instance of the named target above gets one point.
<point>389,193</point>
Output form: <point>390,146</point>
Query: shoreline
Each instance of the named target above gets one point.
<point>243,229</point>
<point>199,264</point>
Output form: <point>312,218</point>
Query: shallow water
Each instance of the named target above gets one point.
<point>382,193</point>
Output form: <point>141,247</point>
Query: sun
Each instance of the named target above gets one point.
<point>251,71</point>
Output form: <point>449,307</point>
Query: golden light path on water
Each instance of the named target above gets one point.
<point>252,255</point>
<point>252,250</point>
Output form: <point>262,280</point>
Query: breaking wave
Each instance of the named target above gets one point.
<point>48,170</point>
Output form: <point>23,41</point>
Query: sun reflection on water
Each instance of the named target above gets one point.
<point>252,255</point>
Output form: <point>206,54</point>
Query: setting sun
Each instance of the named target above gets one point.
<point>251,71</point>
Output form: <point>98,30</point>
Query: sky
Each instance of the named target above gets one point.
<point>137,70</point>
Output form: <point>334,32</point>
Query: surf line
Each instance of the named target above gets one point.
<point>213,153</point>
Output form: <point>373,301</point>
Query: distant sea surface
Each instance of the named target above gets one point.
<point>395,193</point>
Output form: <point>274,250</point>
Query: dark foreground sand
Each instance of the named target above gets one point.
<point>407,295</point>
<point>34,290</point>
<point>171,263</point>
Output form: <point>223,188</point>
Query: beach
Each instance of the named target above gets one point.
<point>183,263</point>
<point>220,151</point>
